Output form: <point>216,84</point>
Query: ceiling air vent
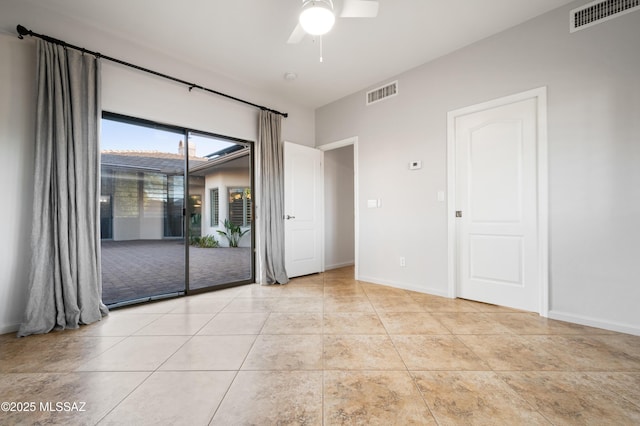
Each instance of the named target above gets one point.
<point>384,92</point>
<point>599,11</point>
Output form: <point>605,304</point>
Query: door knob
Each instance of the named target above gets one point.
<point>289,217</point>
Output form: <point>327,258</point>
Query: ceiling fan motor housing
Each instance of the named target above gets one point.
<point>317,17</point>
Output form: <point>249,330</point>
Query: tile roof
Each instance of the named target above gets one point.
<point>163,162</point>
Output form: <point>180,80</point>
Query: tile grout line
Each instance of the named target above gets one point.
<point>407,370</point>
<point>124,398</point>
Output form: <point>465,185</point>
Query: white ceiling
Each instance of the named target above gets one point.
<point>246,39</point>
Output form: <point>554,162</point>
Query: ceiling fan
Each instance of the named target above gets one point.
<point>317,16</point>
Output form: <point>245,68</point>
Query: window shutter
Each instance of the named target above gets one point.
<point>215,207</point>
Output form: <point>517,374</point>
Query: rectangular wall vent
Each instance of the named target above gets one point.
<point>384,92</point>
<point>599,11</point>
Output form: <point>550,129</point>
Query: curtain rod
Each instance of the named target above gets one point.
<point>22,31</point>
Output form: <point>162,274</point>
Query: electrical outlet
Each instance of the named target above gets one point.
<point>403,263</point>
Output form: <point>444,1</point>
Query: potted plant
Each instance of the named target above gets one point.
<point>232,233</point>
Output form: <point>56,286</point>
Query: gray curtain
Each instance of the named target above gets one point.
<point>272,196</point>
<point>65,284</point>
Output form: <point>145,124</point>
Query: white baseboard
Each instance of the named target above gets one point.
<point>11,328</point>
<point>339,265</point>
<point>595,322</point>
<point>404,286</point>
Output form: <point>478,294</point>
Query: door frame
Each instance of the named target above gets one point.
<point>356,211</point>
<point>540,94</point>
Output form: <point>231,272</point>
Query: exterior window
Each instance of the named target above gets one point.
<point>154,196</point>
<point>127,195</point>
<point>215,206</point>
<point>174,204</point>
<point>240,206</point>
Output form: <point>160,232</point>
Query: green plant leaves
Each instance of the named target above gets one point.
<point>232,233</point>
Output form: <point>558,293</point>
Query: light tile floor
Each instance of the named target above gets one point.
<point>323,349</point>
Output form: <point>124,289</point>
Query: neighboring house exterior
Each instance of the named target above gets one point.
<point>143,193</point>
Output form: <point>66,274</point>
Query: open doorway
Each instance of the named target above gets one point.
<point>340,204</point>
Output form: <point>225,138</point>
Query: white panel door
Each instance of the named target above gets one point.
<point>496,195</point>
<point>303,194</point>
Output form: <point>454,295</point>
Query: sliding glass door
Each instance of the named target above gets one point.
<point>221,213</point>
<point>141,202</point>
<point>175,211</point>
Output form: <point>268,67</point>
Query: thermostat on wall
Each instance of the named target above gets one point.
<point>415,165</point>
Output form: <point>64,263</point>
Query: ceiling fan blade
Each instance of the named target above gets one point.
<point>297,35</point>
<point>359,9</point>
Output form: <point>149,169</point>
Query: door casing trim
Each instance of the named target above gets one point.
<point>540,94</point>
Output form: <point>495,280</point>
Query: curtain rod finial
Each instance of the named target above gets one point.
<point>22,31</point>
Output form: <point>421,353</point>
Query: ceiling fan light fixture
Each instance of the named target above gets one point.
<point>317,17</point>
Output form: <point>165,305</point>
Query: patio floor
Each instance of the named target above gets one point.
<point>141,268</point>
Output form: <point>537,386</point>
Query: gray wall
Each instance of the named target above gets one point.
<point>17,96</point>
<point>594,160</point>
<point>338,208</point>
